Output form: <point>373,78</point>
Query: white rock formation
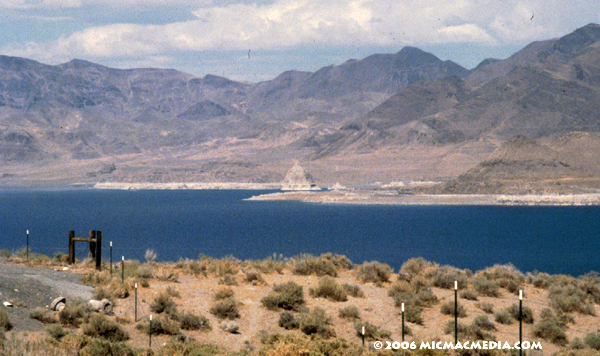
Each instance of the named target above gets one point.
<point>298,179</point>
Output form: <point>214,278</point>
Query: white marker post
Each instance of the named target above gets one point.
<point>455,312</point>
<point>135,316</point>
<point>150,332</point>
<point>402,322</point>
<point>122,269</point>
<point>27,248</point>
<point>111,258</point>
<point>363,335</point>
<point>520,321</point>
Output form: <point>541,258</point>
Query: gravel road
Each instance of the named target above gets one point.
<point>30,287</point>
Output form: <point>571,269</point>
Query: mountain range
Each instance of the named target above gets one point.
<point>387,117</point>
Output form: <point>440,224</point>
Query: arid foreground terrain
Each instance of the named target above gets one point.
<point>304,305</point>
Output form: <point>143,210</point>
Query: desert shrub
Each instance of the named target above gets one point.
<point>159,325</point>
<point>75,312</point>
<point>316,322</point>
<point>99,347</point>
<point>373,272</point>
<point>567,298</point>
<point>118,289</point>
<point>228,280</point>
<point>372,332</point>
<point>484,323</point>
<point>576,344</point>
<point>590,284</point>
<point>425,297</point>
<point>547,329</point>
<point>94,278</point>
<point>541,280</point>
<point>5,253</point>
<point>143,282</point>
<point>224,293</point>
<point>415,266</point>
<point>350,312</point>
<point>328,288</point>
<point>308,265</point>
<point>526,313</point>
<point>163,303</point>
<point>191,321</point>
<point>269,265</point>
<point>353,290</point>
<point>503,317</point>
<point>56,331</point>
<point>287,321</point>
<point>225,309</point>
<point>486,287</point>
<point>487,308</point>
<point>445,277</point>
<point>475,331</point>
<point>589,309</point>
<point>189,348</point>
<point>559,318</point>
<point>448,309</point>
<point>412,313</point>
<point>145,272</point>
<point>43,315</point>
<point>468,294</point>
<point>254,278</point>
<point>101,326</point>
<point>592,340</point>
<point>503,274</point>
<point>230,326</point>
<point>414,302</point>
<point>59,257</point>
<point>288,296</point>
<point>5,323</point>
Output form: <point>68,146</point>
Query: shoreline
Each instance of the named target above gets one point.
<point>390,198</point>
<point>188,186</point>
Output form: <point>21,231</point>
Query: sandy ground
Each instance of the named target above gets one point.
<point>197,296</point>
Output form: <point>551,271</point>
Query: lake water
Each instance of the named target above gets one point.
<point>184,224</point>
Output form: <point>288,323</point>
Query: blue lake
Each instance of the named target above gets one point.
<point>184,224</point>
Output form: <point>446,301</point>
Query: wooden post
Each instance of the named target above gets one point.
<point>92,244</point>
<point>71,247</point>
<point>98,250</point>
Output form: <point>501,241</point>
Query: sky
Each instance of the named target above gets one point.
<point>256,40</point>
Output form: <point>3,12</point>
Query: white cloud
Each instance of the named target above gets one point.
<point>289,23</point>
<point>39,4</point>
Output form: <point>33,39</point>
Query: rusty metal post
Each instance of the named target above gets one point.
<point>98,250</point>
<point>71,247</point>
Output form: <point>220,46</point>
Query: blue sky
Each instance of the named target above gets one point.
<point>257,40</point>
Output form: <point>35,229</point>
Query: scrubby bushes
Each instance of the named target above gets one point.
<point>224,293</point>
<point>526,313</point>
<point>567,298</point>
<point>353,290</point>
<point>324,265</point>
<point>478,330</point>
<point>101,326</point>
<point>468,294</point>
<point>160,325</point>
<point>486,287</point>
<point>43,315</point>
<point>56,331</point>
<point>448,309</point>
<point>287,321</point>
<point>288,296</point>
<point>503,317</point>
<point>373,272</point>
<point>592,340</point>
<point>415,297</point>
<point>225,309</point>
<point>75,312</point>
<point>487,308</point>
<point>5,323</point>
<point>350,312</point>
<point>551,327</point>
<point>316,322</point>
<point>164,304</point>
<point>191,321</point>
<point>372,332</point>
<point>445,276</point>
<point>328,288</point>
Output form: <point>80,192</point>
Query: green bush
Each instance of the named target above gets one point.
<point>75,312</point>
<point>254,278</point>
<point>160,325</point>
<point>593,340</point>
<point>503,317</point>
<point>416,266</point>
<point>487,308</point>
<point>55,331</point>
<point>486,287</point>
<point>353,290</point>
<point>350,312</point>
<point>5,323</point>
<point>101,326</point>
<point>425,297</point>
<point>99,347</point>
<point>191,321</point>
<point>328,288</point>
<point>590,284</point>
<point>468,294</point>
<point>549,330</point>
<point>484,323</point>
<point>5,253</point>
<point>526,313</point>
<point>373,272</point>
<point>448,309</point>
<point>567,298</point>
<point>324,265</point>
<point>372,332</point>
<point>288,296</point>
<point>164,304</point>
<point>541,280</point>
<point>445,277</point>
<point>316,322</point>
<point>225,309</point>
<point>287,321</point>
<point>145,272</point>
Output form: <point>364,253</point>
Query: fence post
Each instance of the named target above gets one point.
<point>135,315</point>
<point>122,269</point>
<point>520,322</point>
<point>98,250</point>
<point>71,247</point>
<point>402,322</point>
<point>27,248</point>
<point>455,312</point>
<point>150,332</point>
<point>92,244</point>
<point>111,258</point>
